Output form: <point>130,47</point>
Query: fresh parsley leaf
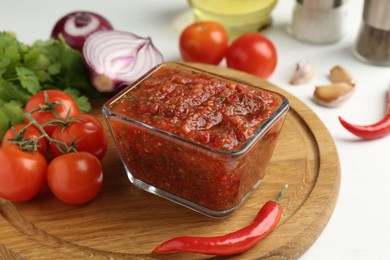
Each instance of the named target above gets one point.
<point>12,91</point>
<point>4,123</point>
<point>14,111</point>
<point>37,62</point>
<point>28,79</point>
<point>9,48</point>
<point>82,101</point>
<point>11,113</point>
<point>4,62</point>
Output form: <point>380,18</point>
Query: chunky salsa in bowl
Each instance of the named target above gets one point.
<point>199,139</point>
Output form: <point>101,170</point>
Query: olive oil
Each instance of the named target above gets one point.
<point>238,16</point>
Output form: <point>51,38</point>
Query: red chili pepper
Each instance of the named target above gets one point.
<point>233,243</point>
<point>374,131</point>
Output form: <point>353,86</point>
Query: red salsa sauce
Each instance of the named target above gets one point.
<point>209,111</point>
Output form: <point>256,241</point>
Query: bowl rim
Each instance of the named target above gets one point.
<point>260,131</point>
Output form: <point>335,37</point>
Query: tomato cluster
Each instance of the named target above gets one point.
<point>55,128</point>
<point>208,42</point>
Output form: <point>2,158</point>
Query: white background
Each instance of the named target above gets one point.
<point>360,225</point>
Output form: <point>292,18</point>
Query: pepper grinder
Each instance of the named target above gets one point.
<point>373,41</point>
<point>318,21</point>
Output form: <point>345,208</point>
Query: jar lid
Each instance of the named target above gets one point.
<point>377,14</point>
<point>321,4</point>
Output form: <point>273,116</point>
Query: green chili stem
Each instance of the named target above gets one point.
<point>279,198</point>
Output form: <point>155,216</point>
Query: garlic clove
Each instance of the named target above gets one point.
<point>304,73</point>
<point>339,74</point>
<point>333,95</point>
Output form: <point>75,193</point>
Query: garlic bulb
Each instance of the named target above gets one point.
<point>304,73</point>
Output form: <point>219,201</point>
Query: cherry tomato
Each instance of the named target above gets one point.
<point>67,104</point>
<point>31,132</point>
<point>75,178</point>
<point>22,174</point>
<point>87,132</point>
<point>204,42</point>
<point>252,53</point>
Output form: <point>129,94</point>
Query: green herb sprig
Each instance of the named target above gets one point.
<point>28,69</point>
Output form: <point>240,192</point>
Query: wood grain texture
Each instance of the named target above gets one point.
<point>124,222</point>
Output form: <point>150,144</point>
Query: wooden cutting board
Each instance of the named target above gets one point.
<point>124,222</point>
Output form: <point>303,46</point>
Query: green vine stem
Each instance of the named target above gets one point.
<point>33,144</point>
<point>60,145</point>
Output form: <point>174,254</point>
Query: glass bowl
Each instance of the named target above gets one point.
<point>196,138</point>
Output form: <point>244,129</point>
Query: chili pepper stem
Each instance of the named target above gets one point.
<point>388,102</point>
<point>280,196</point>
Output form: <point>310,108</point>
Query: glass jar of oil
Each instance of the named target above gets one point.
<point>238,16</point>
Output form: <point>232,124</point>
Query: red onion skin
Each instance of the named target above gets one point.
<point>82,20</point>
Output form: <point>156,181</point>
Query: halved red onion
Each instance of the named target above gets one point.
<point>116,58</point>
<point>77,26</point>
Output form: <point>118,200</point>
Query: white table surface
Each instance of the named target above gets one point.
<point>360,225</point>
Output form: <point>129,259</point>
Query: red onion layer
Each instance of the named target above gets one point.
<point>116,59</point>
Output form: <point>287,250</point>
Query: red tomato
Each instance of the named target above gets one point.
<point>204,42</point>
<point>252,53</point>
<point>31,132</point>
<point>75,178</point>
<point>22,174</point>
<point>87,132</point>
<point>66,104</point>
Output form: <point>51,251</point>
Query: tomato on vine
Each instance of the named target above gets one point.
<point>23,134</point>
<point>45,102</point>
<point>22,174</point>
<point>76,177</point>
<point>204,41</point>
<point>252,53</point>
<point>85,132</point>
